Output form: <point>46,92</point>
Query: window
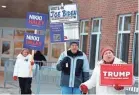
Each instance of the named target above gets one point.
<point>123,37</point>
<point>8,33</point>
<point>95,41</point>
<point>57,49</point>
<point>19,34</point>
<point>136,47</point>
<point>84,30</point>
<point>0,32</point>
<point>6,47</point>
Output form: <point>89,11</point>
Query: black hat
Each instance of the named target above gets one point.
<point>74,42</point>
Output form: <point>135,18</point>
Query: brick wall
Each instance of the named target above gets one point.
<point>109,10</point>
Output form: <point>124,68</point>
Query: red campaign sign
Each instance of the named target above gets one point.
<point>121,74</point>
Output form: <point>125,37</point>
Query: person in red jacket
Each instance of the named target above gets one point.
<point>22,71</point>
<point>108,57</point>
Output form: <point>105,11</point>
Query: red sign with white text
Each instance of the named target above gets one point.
<point>112,74</point>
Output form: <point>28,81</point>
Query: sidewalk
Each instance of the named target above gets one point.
<point>9,89</point>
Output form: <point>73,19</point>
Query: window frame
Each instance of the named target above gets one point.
<point>98,33</point>
<point>82,32</point>
<point>134,40</point>
<point>121,33</point>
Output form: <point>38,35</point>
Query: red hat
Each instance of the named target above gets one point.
<point>106,49</point>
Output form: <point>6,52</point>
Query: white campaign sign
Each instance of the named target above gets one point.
<point>65,13</point>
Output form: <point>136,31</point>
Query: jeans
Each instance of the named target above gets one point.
<point>70,90</point>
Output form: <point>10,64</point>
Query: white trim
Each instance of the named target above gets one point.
<point>119,39</point>
<point>83,34</point>
<point>99,26</point>
<point>98,34</point>
<point>136,23</point>
<point>93,33</point>
<point>123,32</point>
<point>125,15</point>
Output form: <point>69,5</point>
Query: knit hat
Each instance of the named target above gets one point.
<point>103,50</point>
<point>74,42</point>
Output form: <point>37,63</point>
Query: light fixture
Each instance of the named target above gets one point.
<point>3,6</point>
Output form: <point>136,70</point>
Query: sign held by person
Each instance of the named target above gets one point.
<point>34,41</point>
<point>112,74</point>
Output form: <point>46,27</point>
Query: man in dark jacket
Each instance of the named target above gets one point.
<point>74,68</point>
<point>38,56</point>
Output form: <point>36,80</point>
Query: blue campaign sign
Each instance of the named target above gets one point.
<point>34,41</point>
<point>56,33</point>
<point>36,21</point>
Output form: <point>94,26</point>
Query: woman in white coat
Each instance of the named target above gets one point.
<point>22,71</point>
<point>107,58</point>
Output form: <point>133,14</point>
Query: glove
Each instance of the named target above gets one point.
<point>32,62</point>
<point>15,78</point>
<point>84,88</point>
<point>117,87</point>
<point>64,61</point>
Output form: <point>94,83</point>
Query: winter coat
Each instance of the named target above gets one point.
<point>22,66</point>
<point>94,81</point>
<point>39,57</point>
<point>76,69</point>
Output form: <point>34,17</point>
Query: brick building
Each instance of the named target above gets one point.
<point>110,22</point>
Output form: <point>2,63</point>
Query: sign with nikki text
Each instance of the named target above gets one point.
<point>34,41</point>
<point>112,74</point>
<point>36,21</point>
<point>65,13</point>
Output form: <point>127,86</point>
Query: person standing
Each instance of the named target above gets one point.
<point>22,71</point>
<point>38,56</point>
<point>108,57</point>
<point>74,68</point>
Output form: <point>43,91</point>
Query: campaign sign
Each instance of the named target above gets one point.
<point>56,32</point>
<point>112,74</point>
<point>36,20</point>
<point>65,13</point>
<point>34,41</point>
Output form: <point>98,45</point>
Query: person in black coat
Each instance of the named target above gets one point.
<point>38,56</point>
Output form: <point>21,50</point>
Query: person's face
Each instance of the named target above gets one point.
<point>25,53</point>
<point>74,48</point>
<point>108,56</point>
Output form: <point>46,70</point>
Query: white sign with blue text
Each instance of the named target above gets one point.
<point>65,13</point>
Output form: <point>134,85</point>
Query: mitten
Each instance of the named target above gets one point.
<point>32,62</point>
<point>64,61</point>
<point>15,78</point>
<point>84,88</point>
<point>117,87</point>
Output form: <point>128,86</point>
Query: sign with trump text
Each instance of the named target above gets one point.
<point>112,74</point>
<point>36,21</point>
<point>34,41</point>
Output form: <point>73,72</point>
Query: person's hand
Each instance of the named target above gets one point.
<point>32,62</point>
<point>118,87</point>
<point>65,60</point>
<point>15,78</point>
<point>84,88</point>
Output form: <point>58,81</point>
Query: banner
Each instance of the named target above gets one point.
<point>34,41</point>
<point>65,13</point>
<point>36,21</point>
<point>56,33</point>
<point>121,74</point>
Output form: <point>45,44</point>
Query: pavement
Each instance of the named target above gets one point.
<point>48,88</point>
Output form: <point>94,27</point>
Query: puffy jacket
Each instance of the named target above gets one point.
<point>95,79</point>
<point>22,66</point>
<point>77,70</point>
